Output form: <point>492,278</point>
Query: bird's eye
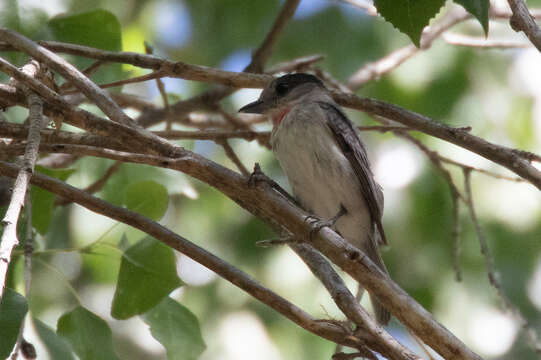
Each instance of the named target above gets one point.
<point>282,89</point>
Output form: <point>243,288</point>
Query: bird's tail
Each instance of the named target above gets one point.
<point>383,316</point>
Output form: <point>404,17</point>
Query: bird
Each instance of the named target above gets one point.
<point>325,162</point>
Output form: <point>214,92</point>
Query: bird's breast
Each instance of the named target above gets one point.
<point>320,175</point>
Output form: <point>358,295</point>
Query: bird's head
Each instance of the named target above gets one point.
<point>281,94</point>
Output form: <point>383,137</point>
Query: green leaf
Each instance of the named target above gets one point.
<point>57,347</point>
<point>177,329</point>
<point>409,16</point>
<point>88,334</point>
<point>97,28</point>
<point>147,198</point>
<point>479,9</point>
<point>147,274</point>
<point>12,311</point>
<point>43,201</point>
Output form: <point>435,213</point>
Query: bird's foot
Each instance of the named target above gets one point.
<point>319,224</point>
<point>258,176</point>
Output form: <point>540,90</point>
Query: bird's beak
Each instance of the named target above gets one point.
<point>256,107</point>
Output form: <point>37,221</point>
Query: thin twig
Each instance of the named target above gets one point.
<point>297,64</point>
<point>263,52</point>
<point>133,101</point>
<point>236,122</point>
<point>155,75</point>
<point>159,83</point>
<point>455,238</point>
<point>97,185</point>
<point>482,171</point>
<point>435,159</point>
<point>88,71</point>
<point>233,157</point>
<point>9,238</point>
<point>481,42</point>
<point>161,87</point>
<point>493,275</point>
<point>374,70</point>
<point>383,128</point>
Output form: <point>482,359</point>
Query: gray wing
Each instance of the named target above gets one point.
<point>353,148</point>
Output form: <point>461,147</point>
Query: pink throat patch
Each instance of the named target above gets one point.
<point>278,118</point>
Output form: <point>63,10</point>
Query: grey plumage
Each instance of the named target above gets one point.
<point>325,161</point>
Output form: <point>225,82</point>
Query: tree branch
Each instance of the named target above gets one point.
<point>225,270</point>
<point>262,53</point>
<point>502,155</point>
<point>481,42</point>
<point>493,275</point>
<point>69,72</point>
<point>522,20</point>
<point>374,70</point>
<point>9,239</point>
<point>369,330</point>
<point>173,69</point>
<point>267,204</point>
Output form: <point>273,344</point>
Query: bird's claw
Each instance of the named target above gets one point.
<point>317,225</point>
<point>257,176</point>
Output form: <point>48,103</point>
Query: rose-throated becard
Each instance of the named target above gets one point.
<point>325,162</point>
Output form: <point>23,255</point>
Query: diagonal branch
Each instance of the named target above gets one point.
<point>97,185</point>
<point>262,53</point>
<point>230,153</point>
<point>264,202</point>
<point>369,330</point>
<point>507,157</point>
<point>522,20</point>
<point>132,136</point>
<point>69,72</point>
<point>225,270</point>
<point>493,275</point>
<point>502,155</point>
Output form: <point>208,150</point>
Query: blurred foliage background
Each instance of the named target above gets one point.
<point>497,92</point>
